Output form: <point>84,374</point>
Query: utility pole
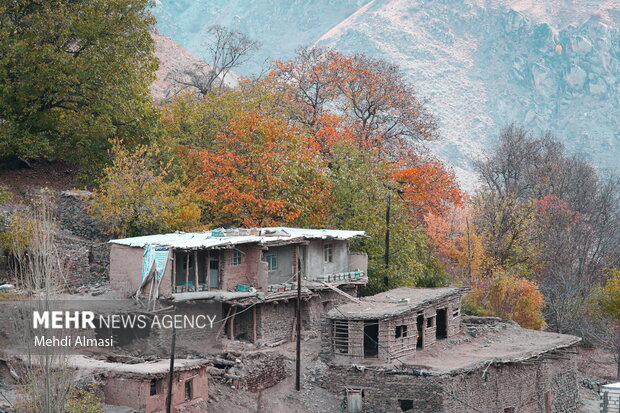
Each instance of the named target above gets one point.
<point>171,373</point>
<point>387,240</point>
<point>468,248</point>
<point>298,360</point>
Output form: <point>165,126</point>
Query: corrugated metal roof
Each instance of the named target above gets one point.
<point>195,240</point>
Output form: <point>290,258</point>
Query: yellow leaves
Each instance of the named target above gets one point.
<point>514,298</point>
<point>608,296</point>
<point>134,196</point>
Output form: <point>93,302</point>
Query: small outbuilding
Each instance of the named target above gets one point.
<point>394,324</point>
<point>144,386</point>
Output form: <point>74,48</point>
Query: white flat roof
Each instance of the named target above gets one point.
<point>206,239</point>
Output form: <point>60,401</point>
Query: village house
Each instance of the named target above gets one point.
<point>244,269</point>
<point>143,387</point>
<point>410,349</point>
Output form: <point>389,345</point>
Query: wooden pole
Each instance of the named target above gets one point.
<point>187,269</point>
<point>254,324</point>
<point>231,326</point>
<point>171,372</point>
<point>386,280</point>
<point>208,269</point>
<point>174,271</point>
<point>298,360</point>
<point>195,270</point>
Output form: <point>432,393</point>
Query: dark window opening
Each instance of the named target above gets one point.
<point>371,338</point>
<point>153,387</point>
<point>442,324</point>
<point>188,389</point>
<point>401,331</point>
<point>430,322</point>
<point>420,326</point>
<point>509,410</point>
<point>406,405</point>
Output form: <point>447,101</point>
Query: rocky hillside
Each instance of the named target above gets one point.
<point>173,62</point>
<point>548,65</point>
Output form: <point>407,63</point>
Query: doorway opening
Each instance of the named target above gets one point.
<point>420,324</point>
<point>442,323</point>
<point>371,338</point>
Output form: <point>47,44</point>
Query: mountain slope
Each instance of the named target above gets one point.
<point>545,64</point>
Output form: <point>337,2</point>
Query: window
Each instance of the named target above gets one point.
<point>188,389</point>
<point>236,257</point>
<point>405,405</point>
<point>328,252</point>
<point>401,331</point>
<point>153,387</point>
<point>272,261</point>
<point>509,410</point>
<point>430,322</point>
<point>341,336</point>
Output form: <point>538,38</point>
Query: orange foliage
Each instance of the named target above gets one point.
<point>459,245</point>
<point>428,187</point>
<point>261,172</point>
<point>516,299</point>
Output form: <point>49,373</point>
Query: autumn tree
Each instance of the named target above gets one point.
<point>259,171</point>
<point>362,185</point>
<point>607,298</point>
<point>459,244</point>
<point>370,94</point>
<point>74,74</point>
<point>136,197</point>
<point>552,218</point>
<point>514,298</point>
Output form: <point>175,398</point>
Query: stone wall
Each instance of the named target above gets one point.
<point>82,243</point>
<point>528,387</point>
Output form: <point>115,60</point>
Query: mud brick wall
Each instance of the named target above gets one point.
<point>523,386</point>
<point>383,391</point>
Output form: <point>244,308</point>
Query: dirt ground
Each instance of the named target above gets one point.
<point>20,179</point>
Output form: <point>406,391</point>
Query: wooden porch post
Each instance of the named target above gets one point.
<point>195,270</point>
<point>187,269</point>
<point>254,324</point>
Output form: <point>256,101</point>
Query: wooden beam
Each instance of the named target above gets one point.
<point>339,291</point>
<point>254,324</point>
<point>208,269</point>
<point>221,329</point>
<point>186,269</point>
<point>174,271</point>
<point>195,270</point>
<point>231,332</point>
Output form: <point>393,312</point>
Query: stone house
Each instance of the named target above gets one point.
<point>395,323</point>
<point>411,350</point>
<point>244,269</point>
<point>143,387</point>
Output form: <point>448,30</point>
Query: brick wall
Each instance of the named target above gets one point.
<point>247,272</point>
